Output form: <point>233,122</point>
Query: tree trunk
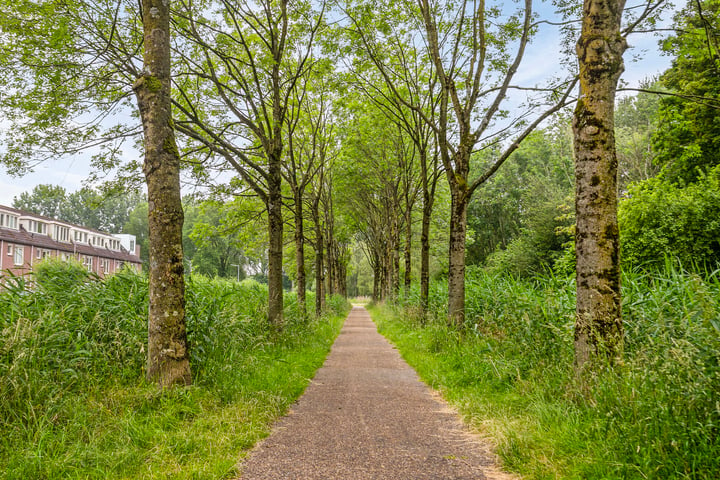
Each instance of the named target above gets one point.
<point>598,323</point>
<point>395,256</point>
<point>300,254</point>
<point>168,357</point>
<point>275,233</point>
<point>376,281</point>
<point>408,247</point>
<point>428,201</point>
<point>425,252</point>
<point>456,267</point>
<point>319,266</point>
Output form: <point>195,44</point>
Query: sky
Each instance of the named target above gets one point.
<point>540,60</point>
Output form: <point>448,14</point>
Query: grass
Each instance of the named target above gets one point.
<point>73,400</point>
<point>509,371</point>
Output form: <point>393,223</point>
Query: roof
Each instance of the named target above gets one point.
<point>23,237</point>
<point>24,213</point>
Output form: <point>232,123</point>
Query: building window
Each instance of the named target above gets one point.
<point>19,255</point>
<point>9,250</point>
<point>87,262</point>
<point>8,221</point>
<point>37,227</point>
<point>60,233</point>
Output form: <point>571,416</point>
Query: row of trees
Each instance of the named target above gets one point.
<point>330,127</point>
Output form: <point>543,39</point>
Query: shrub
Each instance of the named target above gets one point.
<point>660,219</point>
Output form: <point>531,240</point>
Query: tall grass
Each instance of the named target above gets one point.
<point>509,370</point>
<point>73,399</point>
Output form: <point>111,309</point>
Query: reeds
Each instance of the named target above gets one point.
<point>510,370</point>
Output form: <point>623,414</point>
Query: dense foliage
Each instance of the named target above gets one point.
<point>661,220</point>
<point>73,400</point>
<point>510,372</point>
<point>688,140</point>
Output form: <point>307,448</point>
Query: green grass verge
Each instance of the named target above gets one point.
<point>73,402</point>
<point>509,373</point>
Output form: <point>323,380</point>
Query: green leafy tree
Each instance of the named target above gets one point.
<point>661,220</point>
<point>600,48</point>
<point>518,210</point>
<point>168,361</point>
<point>636,120</point>
<point>47,200</point>
<point>476,51</point>
<point>213,242</point>
<point>88,207</point>
<point>137,224</point>
<point>240,68</point>
<point>687,142</point>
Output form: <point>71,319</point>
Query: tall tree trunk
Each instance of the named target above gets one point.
<point>300,253</point>
<point>329,264</point>
<point>168,360</point>
<point>408,248</point>
<point>395,256</point>
<point>428,201</point>
<point>275,234</point>
<point>598,322</point>
<point>319,265</point>
<point>456,266</point>
<point>425,258</point>
<point>376,281</point>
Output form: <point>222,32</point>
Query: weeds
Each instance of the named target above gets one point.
<point>73,400</point>
<point>510,371</point>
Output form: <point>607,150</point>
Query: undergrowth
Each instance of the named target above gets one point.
<point>509,370</point>
<point>73,399</point>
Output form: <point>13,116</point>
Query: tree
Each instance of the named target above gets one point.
<point>636,120</point>
<point>168,356</point>
<point>137,224</point>
<point>516,220</point>
<point>600,49</point>
<point>239,71</point>
<point>213,242</point>
<point>687,141</point>
<point>89,207</point>
<point>661,219</point>
<point>598,321</point>
<point>45,199</point>
<point>406,93</point>
<point>469,46</point>
<point>309,137</point>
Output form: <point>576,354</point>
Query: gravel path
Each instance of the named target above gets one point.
<point>367,416</point>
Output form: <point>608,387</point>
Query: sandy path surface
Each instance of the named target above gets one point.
<point>367,416</point>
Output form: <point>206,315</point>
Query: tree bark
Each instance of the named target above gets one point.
<point>319,262</point>
<point>168,357</point>
<point>395,256</point>
<point>275,234</point>
<point>300,253</point>
<point>408,249</point>
<point>598,323</point>
<point>456,266</point>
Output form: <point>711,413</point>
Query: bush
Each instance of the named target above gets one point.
<point>660,219</point>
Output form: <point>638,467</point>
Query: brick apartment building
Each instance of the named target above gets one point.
<point>27,238</point>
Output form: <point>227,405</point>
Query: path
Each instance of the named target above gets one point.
<point>367,416</point>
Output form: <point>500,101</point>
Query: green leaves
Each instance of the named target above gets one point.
<point>659,220</point>
<point>688,139</point>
